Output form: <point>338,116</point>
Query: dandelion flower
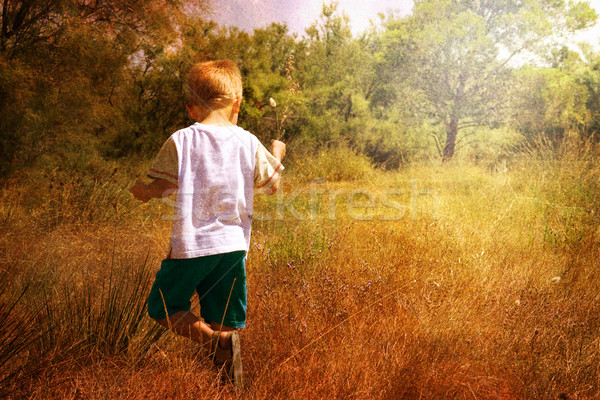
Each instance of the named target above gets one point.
<point>272,102</point>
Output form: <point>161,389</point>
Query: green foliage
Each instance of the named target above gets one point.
<point>332,81</point>
<point>550,101</point>
<point>15,92</point>
<point>333,164</point>
<point>392,143</point>
<point>153,106</point>
<point>560,101</point>
<point>588,75</point>
<point>490,147</point>
<point>67,77</point>
<point>457,54</point>
<point>83,82</point>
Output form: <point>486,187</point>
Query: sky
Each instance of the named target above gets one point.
<point>592,35</point>
<point>300,14</point>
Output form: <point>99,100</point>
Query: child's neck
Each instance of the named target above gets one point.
<point>220,117</point>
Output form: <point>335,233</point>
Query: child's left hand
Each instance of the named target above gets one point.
<point>278,149</point>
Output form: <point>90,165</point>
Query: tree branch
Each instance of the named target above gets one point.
<point>4,30</point>
<point>20,15</point>
<point>464,136</point>
<point>437,144</point>
<point>470,125</point>
<point>464,145</point>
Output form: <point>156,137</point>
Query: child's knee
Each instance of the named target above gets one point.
<point>155,313</point>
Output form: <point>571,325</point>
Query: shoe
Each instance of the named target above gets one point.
<point>236,361</point>
<point>229,360</point>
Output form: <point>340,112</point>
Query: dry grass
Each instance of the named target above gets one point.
<point>466,283</point>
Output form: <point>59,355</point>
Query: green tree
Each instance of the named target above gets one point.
<point>588,74</point>
<point>329,76</point>
<point>338,82</point>
<point>63,72</point>
<point>456,54</point>
<point>269,67</point>
<point>557,101</point>
<point>152,93</point>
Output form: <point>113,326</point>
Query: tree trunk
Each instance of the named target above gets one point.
<point>451,131</point>
<point>452,125</point>
<point>348,109</point>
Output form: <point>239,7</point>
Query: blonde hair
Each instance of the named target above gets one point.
<point>214,84</point>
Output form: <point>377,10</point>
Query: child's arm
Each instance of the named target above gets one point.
<point>278,150</point>
<point>154,190</point>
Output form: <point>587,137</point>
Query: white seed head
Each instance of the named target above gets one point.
<point>272,102</point>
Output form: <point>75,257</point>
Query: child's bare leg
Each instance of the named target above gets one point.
<point>186,324</point>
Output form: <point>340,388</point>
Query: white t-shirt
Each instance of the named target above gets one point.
<point>216,170</point>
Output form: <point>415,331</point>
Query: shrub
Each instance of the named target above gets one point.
<point>336,163</point>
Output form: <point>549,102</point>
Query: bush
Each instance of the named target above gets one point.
<point>336,163</point>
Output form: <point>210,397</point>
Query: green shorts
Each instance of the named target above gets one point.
<point>214,278</point>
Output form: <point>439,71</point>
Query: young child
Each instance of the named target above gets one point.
<point>215,166</point>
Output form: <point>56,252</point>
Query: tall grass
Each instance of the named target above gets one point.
<point>464,282</point>
<point>70,289</point>
<point>105,315</point>
<point>17,334</point>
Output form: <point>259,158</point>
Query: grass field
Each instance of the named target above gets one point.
<point>434,282</point>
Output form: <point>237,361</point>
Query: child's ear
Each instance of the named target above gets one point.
<point>191,111</point>
<point>235,111</point>
<point>236,105</point>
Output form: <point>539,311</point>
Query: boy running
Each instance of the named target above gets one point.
<point>215,166</point>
